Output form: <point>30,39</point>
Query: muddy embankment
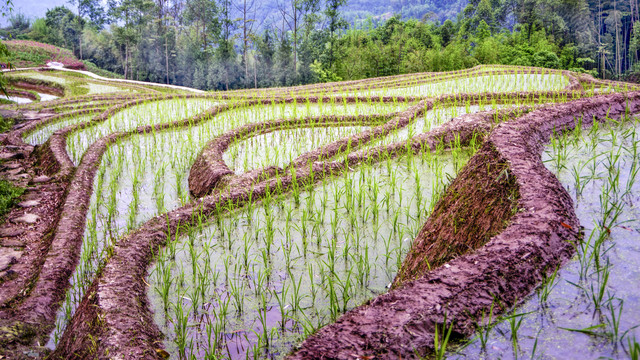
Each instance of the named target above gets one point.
<point>210,172</point>
<point>619,85</point>
<point>407,80</point>
<point>540,236</point>
<point>115,309</point>
<point>41,86</point>
<point>22,94</point>
<point>38,280</point>
<point>213,169</point>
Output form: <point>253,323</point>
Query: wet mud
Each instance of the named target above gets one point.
<point>514,251</point>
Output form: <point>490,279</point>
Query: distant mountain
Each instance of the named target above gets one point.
<point>416,9</point>
<point>267,10</point>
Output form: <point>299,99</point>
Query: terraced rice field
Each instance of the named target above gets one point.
<point>484,213</point>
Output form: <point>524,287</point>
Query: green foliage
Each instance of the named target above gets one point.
<point>546,59</point>
<point>207,45</point>
<point>102,72</point>
<point>30,58</point>
<point>323,75</point>
<point>8,196</point>
<point>5,124</point>
<point>4,58</point>
<point>39,31</point>
<point>77,88</point>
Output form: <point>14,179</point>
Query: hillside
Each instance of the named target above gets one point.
<point>24,53</point>
<point>267,11</point>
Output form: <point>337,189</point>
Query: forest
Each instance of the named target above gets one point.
<point>232,44</point>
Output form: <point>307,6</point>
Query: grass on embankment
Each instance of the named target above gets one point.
<point>8,193</point>
<point>8,196</point>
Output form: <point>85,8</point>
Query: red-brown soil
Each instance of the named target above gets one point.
<point>492,258</point>
<point>541,235</point>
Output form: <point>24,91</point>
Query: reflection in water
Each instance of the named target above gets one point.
<point>592,307</point>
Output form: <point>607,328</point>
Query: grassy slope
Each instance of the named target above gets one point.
<point>33,54</point>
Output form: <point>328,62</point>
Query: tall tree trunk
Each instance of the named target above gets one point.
<point>600,49</point>
<point>245,39</point>
<point>295,42</point>
<point>126,59</point>
<point>617,28</point>
<point>166,55</point>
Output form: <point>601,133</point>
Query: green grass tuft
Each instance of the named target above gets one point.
<point>5,124</point>
<point>8,196</point>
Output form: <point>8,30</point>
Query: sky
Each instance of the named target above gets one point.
<point>35,8</point>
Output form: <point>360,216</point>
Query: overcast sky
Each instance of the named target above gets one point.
<point>36,8</point>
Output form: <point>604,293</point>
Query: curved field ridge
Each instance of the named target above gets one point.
<point>111,311</point>
<point>541,235</point>
<point>400,81</point>
<point>209,168</point>
<point>501,226</point>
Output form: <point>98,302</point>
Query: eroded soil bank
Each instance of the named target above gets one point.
<point>115,312</point>
<point>126,269</point>
<point>210,172</point>
<point>541,235</point>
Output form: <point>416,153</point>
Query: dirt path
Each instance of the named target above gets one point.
<point>98,77</point>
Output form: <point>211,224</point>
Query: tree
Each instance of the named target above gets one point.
<point>484,13</point>
<point>265,50</point>
<point>58,19</point>
<point>294,13</point>
<point>225,53</point>
<point>247,8</point>
<point>135,14</point>
<point>39,30</point>
<point>91,9</point>
<point>335,24</point>
<point>203,14</point>
<point>19,23</point>
<point>446,32</point>
<point>283,59</point>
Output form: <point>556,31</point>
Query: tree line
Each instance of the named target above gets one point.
<point>226,44</point>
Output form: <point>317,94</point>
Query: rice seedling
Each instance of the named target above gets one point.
<point>586,302</point>
<point>325,235</point>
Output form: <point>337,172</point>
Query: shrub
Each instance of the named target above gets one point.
<point>546,59</point>
<point>33,53</point>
